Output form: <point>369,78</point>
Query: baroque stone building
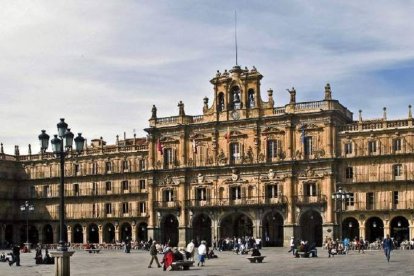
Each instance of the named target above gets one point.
<point>243,167</point>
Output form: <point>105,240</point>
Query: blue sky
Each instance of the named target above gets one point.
<point>103,64</point>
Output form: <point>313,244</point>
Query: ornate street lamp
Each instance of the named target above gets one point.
<point>62,146</point>
<point>27,208</point>
<point>340,197</point>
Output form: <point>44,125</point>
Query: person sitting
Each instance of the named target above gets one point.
<point>38,255</point>
<point>168,259</point>
<point>183,253</point>
<point>48,259</point>
<point>256,252</point>
<point>177,255</point>
<point>313,252</point>
<point>211,254</point>
<point>2,257</point>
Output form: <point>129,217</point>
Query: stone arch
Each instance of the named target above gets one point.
<point>29,233</point>
<point>311,227</point>
<point>399,229</point>
<point>374,229</point>
<point>350,228</point>
<point>169,230</point>
<point>272,229</point>
<point>201,228</point>
<point>109,233</point>
<point>236,224</point>
<point>47,232</point>
<point>93,233</point>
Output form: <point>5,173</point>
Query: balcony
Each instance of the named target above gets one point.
<point>243,201</point>
<point>310,200</point>
<point>385,205</point>
<point>85,192</point>
<point>166,204</point>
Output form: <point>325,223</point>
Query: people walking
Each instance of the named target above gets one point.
<point>190,250</point>
<point>292,246</point>
<point>16,255</point>
<point>387,245</point>
<point>202,251</point>
<point>153,252</point>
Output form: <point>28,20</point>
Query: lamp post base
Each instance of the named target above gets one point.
<point>62,262</point>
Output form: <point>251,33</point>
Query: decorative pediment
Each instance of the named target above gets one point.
<point>272,130</point>
<point>308,127</point>
<point>199,137</point>
<point>310,173</point>
<point>273,176</point>
<point>234,134</point>
<point>168,140</point>
<point>200,179</point>
<point>171,180</point>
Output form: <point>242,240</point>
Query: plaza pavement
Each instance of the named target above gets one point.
<point>277,262</point>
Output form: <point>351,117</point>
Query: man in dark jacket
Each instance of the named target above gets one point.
<point>153,253</point>
<point>16,256</point>
<point>387,245</point>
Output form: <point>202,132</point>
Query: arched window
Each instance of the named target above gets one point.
<point>220,102</point>
<point>234,152</point>
<point>251,103</point>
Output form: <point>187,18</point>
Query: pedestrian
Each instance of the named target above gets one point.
<point>202,251</point>
<point>190,250</point>
<point>153,252</point>
<point>292,246</point>
<point>387,245</point>
<point>16,255</point>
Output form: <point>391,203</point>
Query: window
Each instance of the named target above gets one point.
<point>220,102</point>
<point>142,165</point>
<point>395,198</point>
<point>201,194</point>
<point>234,152</point>
<point>271,149</point>
<point>310,189</point>
<point>46,191</point>
<point>94,168</point>
<point>396,144</point>
<point>370,201</point>
<point>351,200</point>
<point>125,208</point>
<point>272,191</point>
<point>108,186</point>
<point>76,169</point>
<point>142,185</point>
<point>76,189</point>
<point>125,185</point>
<point>108,208</point>
<point>94,188</point>
<point>235,193</point>
<point>142,208</point>
<point>397,170</point>
<point>168,158</point>
<point>168,195</point>
<point>307,144</point>
<point>348,148</point>
<point>372,147</point>
<point>32,192</point>
<point>250,99</point>
<point>108,167</point>
<point>125,165</point>
<point>349,173</point>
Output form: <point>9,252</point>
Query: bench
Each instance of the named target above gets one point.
<point>92,250</point>
<point>256,259</point>
<point>182,265</point>
<point>302,254</point>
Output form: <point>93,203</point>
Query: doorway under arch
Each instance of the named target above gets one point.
<point>143,231</point>
<point>350,228</point>
<point>311,227</point>
<point>400,230</point>
<point>374,229</point>
<point>272,229</point>
<point>236,225</point>
<point>126,231</point>
<point>202,229</point>
<point>47,234</point>
<point>109,233</point>
<point>78,233</point>
<point>169,230</point>
<point>93,233</point>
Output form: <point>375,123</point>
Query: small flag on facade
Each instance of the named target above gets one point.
<point>227,135</point>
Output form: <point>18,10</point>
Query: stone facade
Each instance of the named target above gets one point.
<point>243,168</point>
